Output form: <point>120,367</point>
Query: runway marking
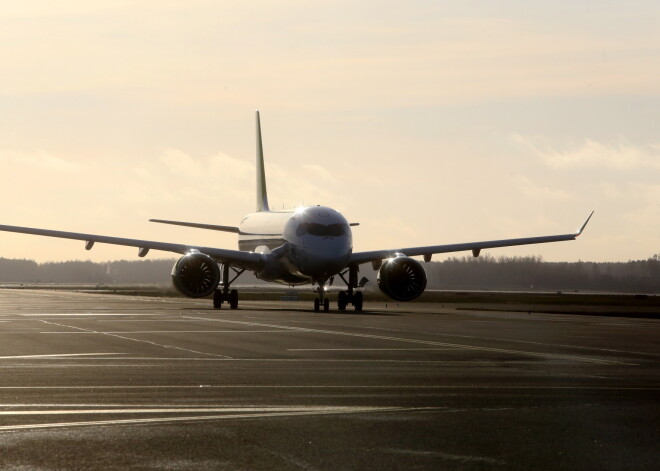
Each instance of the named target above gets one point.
<point>57,355</point>
<point>276,360</point>
<point>85,314</point>
<point>368,350</point>
<point>445,456</point>
<point>232,413</point>
<point>168,332</point>
<point>141,341</point>
<point>173,410</point>
<point>351,386</point>
<point>530,342</point>
<point>424,342</point>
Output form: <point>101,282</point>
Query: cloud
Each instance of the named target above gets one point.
<point>320,172</point>
<point>39,159</point>
<point>619,155</point>
<point>533,189</point>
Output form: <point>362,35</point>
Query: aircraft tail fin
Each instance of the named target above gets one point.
<point>262,193</point>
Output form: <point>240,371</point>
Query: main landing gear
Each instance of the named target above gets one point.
<point>223,293</point>
<point>349,296</point>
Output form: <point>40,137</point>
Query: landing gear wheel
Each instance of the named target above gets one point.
<point>316,304</point>
<point>217,299</point>
<point>342,302</point>
<point>357,301</point>
<point>326,304</point>
<point>233,299</point>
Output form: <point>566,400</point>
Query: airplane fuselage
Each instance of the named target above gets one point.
<point>310,244</point>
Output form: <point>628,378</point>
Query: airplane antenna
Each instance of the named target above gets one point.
<point>262,193</point>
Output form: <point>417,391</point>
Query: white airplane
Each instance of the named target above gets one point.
<point>308,245</point>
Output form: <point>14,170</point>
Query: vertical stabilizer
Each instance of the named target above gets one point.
<point>262,193</point>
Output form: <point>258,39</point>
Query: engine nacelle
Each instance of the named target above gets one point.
<point>402,278</point>
<point>196,275</point>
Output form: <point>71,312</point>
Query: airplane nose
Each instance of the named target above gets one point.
<point>326,263</point>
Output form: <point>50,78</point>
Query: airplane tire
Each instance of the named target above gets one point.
<point>326,304</point>
<point>342,301</point>
<point>316,305</point>
<point>233,299</point>
<point>217,299</point>
<point>357,301</point>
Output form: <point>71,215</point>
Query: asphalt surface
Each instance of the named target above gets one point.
<point>112,382</point>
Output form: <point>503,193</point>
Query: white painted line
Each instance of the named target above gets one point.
<point>181,410</point>
<point>369,349</point>
<point>57,355</point>
<point>266,413</point>
<point>499,339</point>
<point>86,314</point>
<point>145,406</point>
<point>280,331</point>
<point>426,342</point>
<point>140,341</point>
<point>351,386</point>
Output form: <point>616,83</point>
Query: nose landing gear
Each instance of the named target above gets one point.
<point>344,298</point>
<point>321,300</point>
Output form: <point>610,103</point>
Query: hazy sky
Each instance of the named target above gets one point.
<point>427,122</point>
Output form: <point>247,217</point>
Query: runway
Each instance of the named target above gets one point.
<point>114,382</point>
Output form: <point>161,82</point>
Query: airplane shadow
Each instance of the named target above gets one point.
<point>307,311</point>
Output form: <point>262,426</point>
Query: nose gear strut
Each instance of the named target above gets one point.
<point>321,300</point>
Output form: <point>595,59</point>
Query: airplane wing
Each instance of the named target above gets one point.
<point>249,260</point>
<point>212,227</point>
<point>364,257</point>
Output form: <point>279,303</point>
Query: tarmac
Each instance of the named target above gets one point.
<point>114,383</point>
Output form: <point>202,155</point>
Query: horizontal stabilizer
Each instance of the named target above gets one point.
<point>198,226</point>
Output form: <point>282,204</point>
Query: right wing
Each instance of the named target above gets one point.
<point>375,255</point>
<point>248,260</point>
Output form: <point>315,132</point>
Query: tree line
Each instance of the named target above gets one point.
<point>456,273</point>
<point>525,273</point>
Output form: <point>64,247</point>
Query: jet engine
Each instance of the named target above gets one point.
<point>402,278</point>
<point>196,275</point>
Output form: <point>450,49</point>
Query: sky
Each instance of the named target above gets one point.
<point>426,122</point>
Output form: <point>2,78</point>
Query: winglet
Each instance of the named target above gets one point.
<point>584,225</point>
<point>262,194</point>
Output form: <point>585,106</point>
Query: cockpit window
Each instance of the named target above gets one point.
<point>321,230</point>
<point>335,230</point>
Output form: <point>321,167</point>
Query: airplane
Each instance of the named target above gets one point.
<point>307,245</point>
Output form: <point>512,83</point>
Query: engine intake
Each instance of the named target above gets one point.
<point>402,278</point>
<point>196,275</point>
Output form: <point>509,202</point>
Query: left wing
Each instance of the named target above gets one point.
<point>364,257</point>
<point>249,260</point>
<point>213,227</point>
